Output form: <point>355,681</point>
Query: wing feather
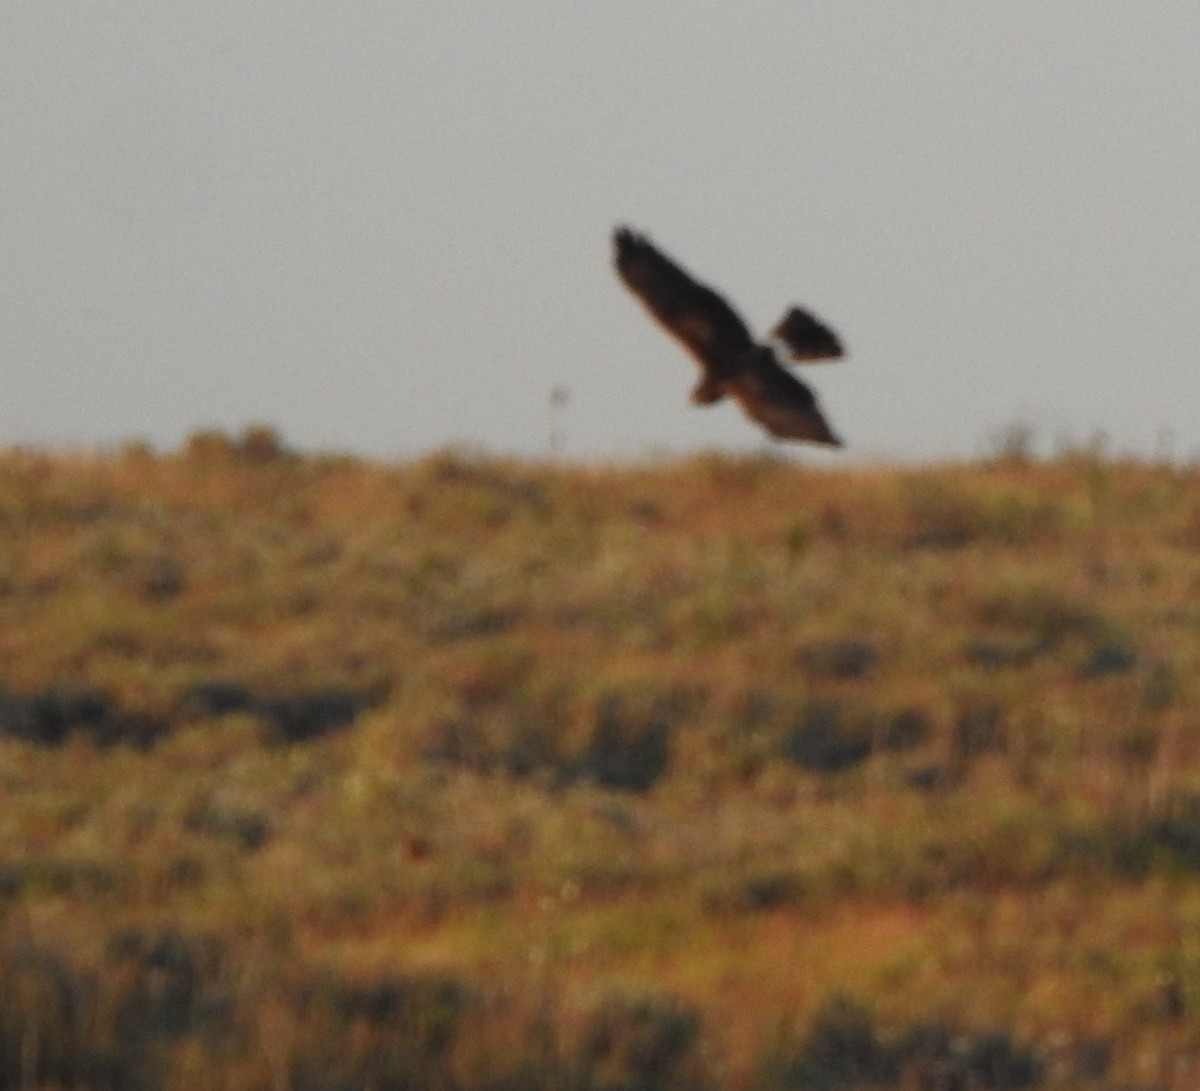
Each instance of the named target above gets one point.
<point>696,315</point>
<point>781,403</point>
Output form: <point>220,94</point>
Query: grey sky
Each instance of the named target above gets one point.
<point>384,227</point>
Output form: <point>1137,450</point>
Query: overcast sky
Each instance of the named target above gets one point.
<point>385,227</point>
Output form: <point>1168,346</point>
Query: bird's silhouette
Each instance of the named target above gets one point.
<point>732,364</point>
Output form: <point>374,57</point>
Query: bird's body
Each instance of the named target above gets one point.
<point>732,364</point>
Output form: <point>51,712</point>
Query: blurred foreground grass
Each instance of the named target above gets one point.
<point>479,774</point>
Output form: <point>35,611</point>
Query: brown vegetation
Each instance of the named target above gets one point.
<point>471,773</point>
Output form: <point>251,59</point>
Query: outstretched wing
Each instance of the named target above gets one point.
<point>708,326</point>
<point>780,402</point>
<point>807,337</point>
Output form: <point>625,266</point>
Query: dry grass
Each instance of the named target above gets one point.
<point>472,773</point>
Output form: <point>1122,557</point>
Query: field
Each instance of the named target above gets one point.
<point>469,774</point>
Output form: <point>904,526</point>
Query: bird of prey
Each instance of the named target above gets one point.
<point>731,362</point>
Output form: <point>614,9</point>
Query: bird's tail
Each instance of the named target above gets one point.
<point>806,337</point>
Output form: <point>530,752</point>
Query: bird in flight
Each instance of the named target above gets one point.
<point>731,362</point>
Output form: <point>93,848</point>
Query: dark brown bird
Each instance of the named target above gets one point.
<point>732,363</point>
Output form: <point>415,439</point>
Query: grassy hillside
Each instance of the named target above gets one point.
<point>478,774</point>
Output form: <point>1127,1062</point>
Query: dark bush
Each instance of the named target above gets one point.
<point>50,717</point>
<point>1137,847</point>
<point>459,624</point>
<point>639,1044</point>
<point>770,890</point>
<point>994,1060</point>
<point>520,751</point>
<point>157,579</point>
<point>43,875</point>
<point>288,718</point>
<point>44,1007</point>
<point>174,984</point>
<point>903,730</point>
<point>942,1061</point>
<point>845,1051</point>
<point>832,736</point>
<point>978,729</point>
<point>303,716</point>
<point>1179,832</point>
<point>628,749</point>
<point>822,741</point>
<point>841,658</point>
<point>215,698</point>
<point>630,746</point>
<point>1108,657</point>
<point>841,1050</point>
<point>247,827</point>
<point>108,1028</point>
<point>933,776</point>
<point>259,444</point>
<point>999,653</point>
<point>393,1035</point>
